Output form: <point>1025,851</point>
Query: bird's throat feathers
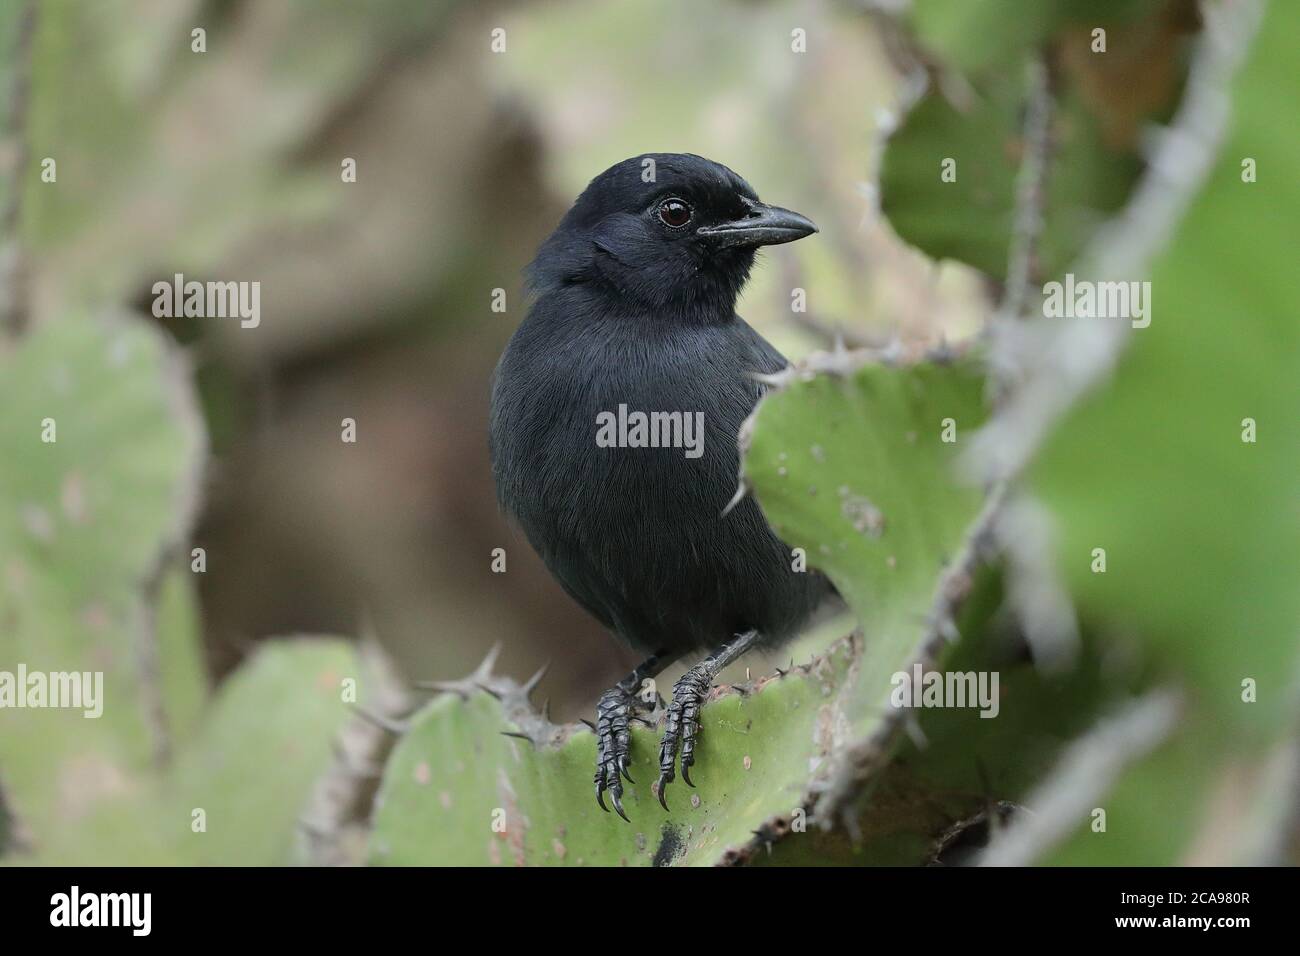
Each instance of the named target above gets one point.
<point>607,277</point>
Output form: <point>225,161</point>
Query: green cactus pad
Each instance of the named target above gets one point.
<point>852,466</point>
<point>454,775</point>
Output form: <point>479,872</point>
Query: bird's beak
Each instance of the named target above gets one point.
<point>764,225</point>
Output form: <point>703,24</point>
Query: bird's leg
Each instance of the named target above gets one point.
<point>613,739</point>
<point>683,721</point>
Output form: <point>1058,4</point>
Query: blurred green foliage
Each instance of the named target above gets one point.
<point>975,118</point>
<point>83,524</point>
<point>92,516</point>
<point>1200,526</point>
<point>163,166</point>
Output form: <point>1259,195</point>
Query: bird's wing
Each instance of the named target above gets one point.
<point>763,356</point>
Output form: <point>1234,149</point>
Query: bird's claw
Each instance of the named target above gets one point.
<point>613,739</point>
<point>681,727</point>
<point>618,806</point>
<point>614,713</point>
<point>615,796</point>
<point>661,787</point>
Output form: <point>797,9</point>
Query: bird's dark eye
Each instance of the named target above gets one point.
<point>674,213</point>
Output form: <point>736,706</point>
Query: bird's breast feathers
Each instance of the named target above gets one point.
<point>634,422</point>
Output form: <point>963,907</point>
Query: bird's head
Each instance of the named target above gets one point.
<point>668,233</point>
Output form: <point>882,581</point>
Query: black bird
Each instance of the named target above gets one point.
<point>635,295</point>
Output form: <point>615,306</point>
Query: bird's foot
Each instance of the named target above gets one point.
<point>614,714</point>
<point>682,724</point>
